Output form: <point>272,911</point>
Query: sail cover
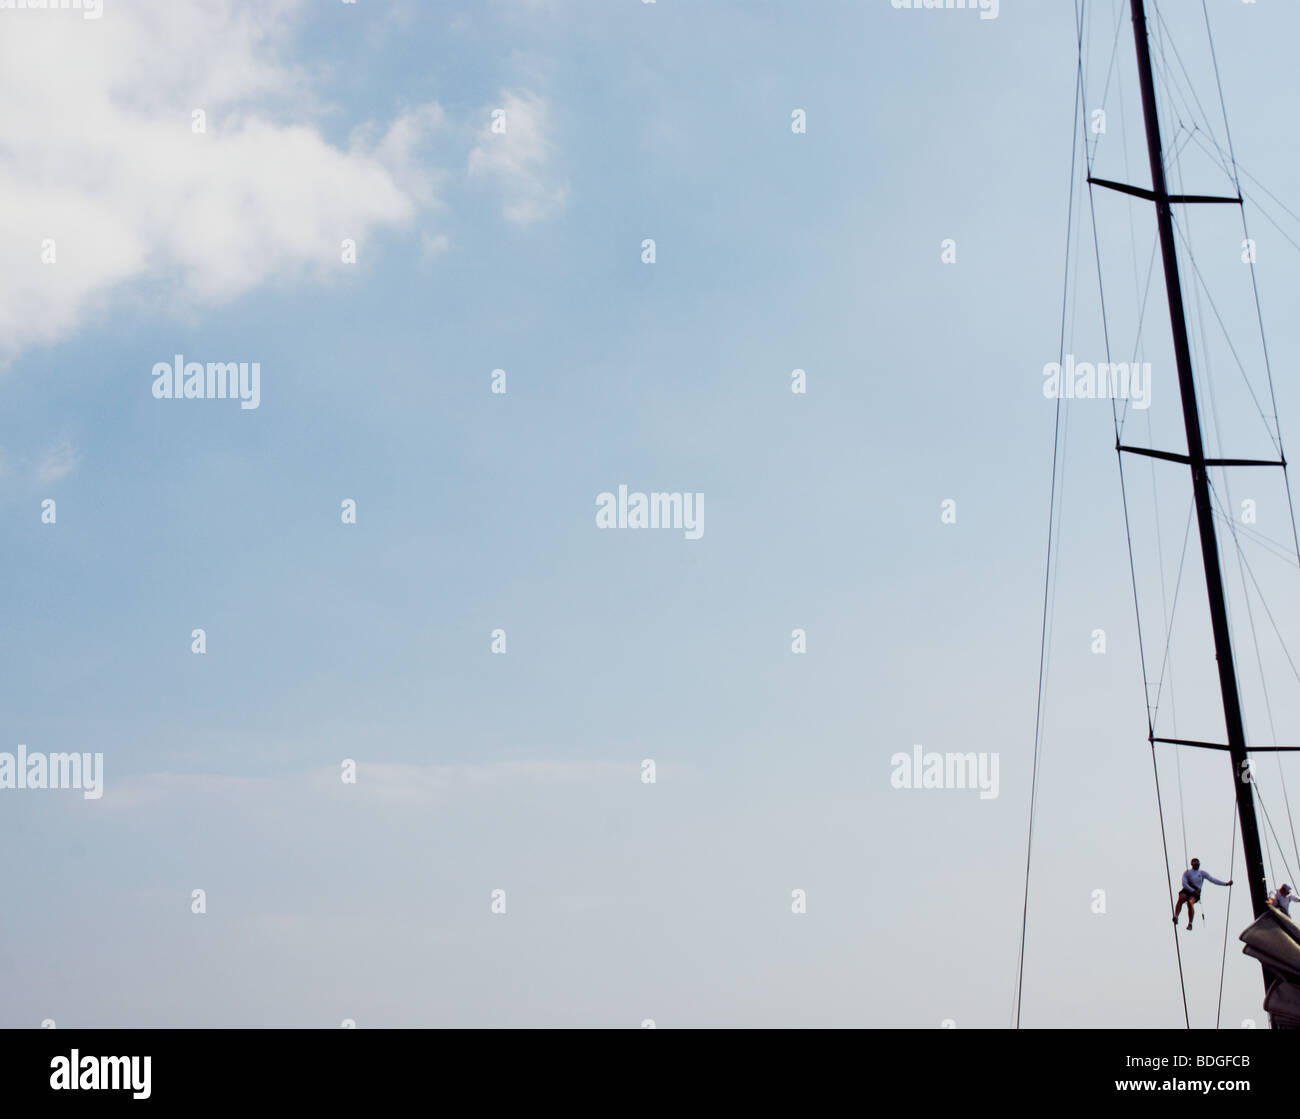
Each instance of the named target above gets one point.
<point>1274,939</point>
<point>1283,1003</point>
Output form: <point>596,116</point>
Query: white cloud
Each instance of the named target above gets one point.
<point>399,152</point>
<point>519,159</point>
<point>97,155</point>
<point>434,246</point>
<point>58,461</point>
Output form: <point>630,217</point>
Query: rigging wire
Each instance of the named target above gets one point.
<point>1246,568</point>
<point>1216,152</point>
<point>1051,521</point>
<point>1281,853</point>
<point>1170,613</point>
<point>1169,631</point>
<point>1227,914</point>
<point>1169,609</point>
<point>1191,85</point>
<point>1273,435</point>
<point>1241,555</point>
<point>1182,982</point>
<point>1268,366</point>
<point>1128,531</point>
<point>1174,158</point>
<point>1203,365</point>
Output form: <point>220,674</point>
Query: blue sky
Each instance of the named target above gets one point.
<point>476,772</point>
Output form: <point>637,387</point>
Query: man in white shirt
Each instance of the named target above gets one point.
<point>1281,898</point>
<point>1191,891</point>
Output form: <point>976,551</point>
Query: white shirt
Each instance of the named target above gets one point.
<point>1192,879</point>
<point>1282,901</point>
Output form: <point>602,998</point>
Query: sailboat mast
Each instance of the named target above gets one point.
<point>1200,482</point>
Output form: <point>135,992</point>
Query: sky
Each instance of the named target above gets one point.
<point>771,874</point>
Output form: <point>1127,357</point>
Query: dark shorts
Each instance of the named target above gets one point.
<point>1189,895</point>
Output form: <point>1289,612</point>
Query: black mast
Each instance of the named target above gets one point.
<point>1200,480</point>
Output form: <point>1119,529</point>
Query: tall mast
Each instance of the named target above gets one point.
<point>1200,480</point>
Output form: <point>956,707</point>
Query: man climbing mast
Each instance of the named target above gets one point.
<point>1191,891</point>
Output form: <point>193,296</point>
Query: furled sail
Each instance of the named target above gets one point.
<point>1274,940</point>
